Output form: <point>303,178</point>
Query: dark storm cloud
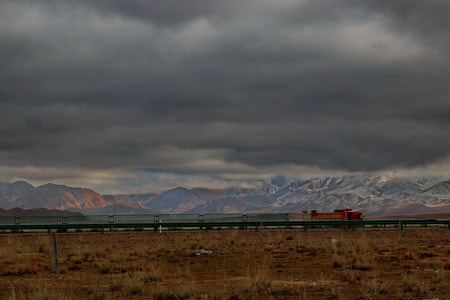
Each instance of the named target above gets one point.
<point>151,84</point>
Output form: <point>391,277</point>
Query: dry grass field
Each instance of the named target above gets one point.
<point>269,264</point>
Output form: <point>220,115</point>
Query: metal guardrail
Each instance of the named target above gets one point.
<point>143,218</point>
<point>159,222</point>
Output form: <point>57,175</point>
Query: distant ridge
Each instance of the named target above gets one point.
<point>36,212</point>
<point>437,216</point>
<point>63,198</point>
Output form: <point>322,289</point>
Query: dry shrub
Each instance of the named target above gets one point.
<point>374,286</point>
<point>411,282</point>
<point>350,276</point>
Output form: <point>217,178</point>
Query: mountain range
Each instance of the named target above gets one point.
<point>375,195</point>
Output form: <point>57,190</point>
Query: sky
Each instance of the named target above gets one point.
<point>139,95</point>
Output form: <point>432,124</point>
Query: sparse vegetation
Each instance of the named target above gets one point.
<point>319,264</point>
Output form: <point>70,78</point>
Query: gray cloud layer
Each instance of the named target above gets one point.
<point>348,85</point>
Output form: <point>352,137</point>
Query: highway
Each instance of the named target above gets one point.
<point>164,222</point>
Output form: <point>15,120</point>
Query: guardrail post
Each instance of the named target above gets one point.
<point>262,225</point>
<point>55,253</point>
<point>244,217</point>
<point>111,222</point>
<point>17,220</point>
<point>244,220</point>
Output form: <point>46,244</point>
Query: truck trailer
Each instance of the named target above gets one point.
<point>337,214</point>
